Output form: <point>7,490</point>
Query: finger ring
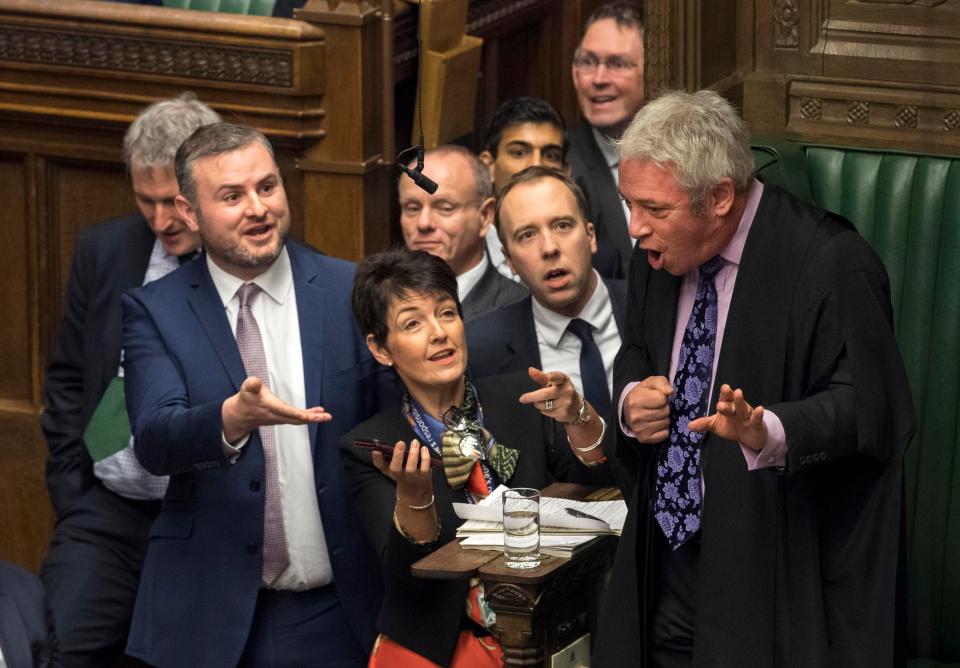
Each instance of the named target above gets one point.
<point>548,405</point>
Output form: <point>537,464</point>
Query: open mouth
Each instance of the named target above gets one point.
<point>258,231</point>
<point>556,278</point>
<point>655,258</point>
<point>602,99</point>
<point>443,355</point>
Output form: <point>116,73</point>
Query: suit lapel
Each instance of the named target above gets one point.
<point>659,318</point>
<point>310,305</point>
<point>616,223</point>
<point>126,275</point>
<point>205,302</point>
<point>522,343</point>
<point>618,302</point>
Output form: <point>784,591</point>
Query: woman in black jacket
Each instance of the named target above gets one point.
<point>406,302</point>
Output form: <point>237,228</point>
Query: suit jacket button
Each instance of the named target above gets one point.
<point>252,548</point>
<point>254,485</point>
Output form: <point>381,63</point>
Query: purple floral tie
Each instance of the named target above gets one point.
<point>677,508</point>
<point>275,554</point>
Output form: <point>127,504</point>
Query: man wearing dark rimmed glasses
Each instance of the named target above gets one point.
<point>608,77</point>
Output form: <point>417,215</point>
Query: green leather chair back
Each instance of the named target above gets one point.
<point>253,7</point>
<point>908,207</point>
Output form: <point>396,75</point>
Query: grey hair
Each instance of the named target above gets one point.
<point>699,134</point>
<point>208,140</point>
<point>626,15</point>
<point>483,186</point>
<point>155,135</point>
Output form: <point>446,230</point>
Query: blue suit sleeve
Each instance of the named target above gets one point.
<point>170,435</point>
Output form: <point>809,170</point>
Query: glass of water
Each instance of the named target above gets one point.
<point>521,527</point>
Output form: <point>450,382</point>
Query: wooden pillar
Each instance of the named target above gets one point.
<point>346,184</point>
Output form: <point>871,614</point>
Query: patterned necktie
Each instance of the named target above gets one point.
<point>592,374</point>
<point>275,555</point>
<point>678,504</point>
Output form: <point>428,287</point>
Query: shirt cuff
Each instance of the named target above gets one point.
<point>231,452</point>
<point>774,452</point>
<point>623,395</point>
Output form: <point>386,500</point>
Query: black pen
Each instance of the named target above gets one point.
<point>584,516</point>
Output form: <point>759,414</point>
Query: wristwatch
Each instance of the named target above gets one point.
<point>583,415</point>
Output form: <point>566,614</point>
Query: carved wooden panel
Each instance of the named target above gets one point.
<point>80,194</point>
<point>18,355</point>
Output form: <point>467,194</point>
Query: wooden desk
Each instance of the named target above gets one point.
<point>540,610</point>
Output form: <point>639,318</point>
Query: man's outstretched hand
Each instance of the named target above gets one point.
<point>256,406</point>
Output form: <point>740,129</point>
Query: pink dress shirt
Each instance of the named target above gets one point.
<point>774,452</point>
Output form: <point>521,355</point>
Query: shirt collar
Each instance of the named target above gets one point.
<point>608,147</point>
<point>468,280</point>
<point>734,250</point>
<point>552,326</point>
<point>275,281</point>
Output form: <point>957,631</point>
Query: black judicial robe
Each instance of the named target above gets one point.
<point>802,566</point>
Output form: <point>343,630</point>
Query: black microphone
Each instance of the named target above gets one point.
<point>422,180</point>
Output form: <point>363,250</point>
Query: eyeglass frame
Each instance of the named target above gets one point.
<point>589,68</point>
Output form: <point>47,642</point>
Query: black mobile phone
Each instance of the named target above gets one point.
<point>386,449</point>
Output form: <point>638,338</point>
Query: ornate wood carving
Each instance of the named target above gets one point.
<point>658,40</point>
<point>854,111</point>
<point>786,16</point>
<point>143,55</point>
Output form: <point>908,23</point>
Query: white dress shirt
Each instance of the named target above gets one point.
<point>468,280</point>
<point>560,349</point>
<point>275,310</point>
<point>121,472</point>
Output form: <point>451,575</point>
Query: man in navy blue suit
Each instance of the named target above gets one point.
<point>255,557</point>
<point>572,320</point>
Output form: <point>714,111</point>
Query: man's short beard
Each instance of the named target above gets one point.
<point>236,255</point>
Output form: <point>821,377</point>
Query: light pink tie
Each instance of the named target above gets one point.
<point>275,555</point>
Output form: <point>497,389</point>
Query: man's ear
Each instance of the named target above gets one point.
<point>487,210</point>
<point>723,196</point>
<point>187,212</point>
<point>379,352</point>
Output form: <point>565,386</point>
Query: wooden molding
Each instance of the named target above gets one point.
<point>786,17</point>
<point>868,111</point>
<point>144,55</point>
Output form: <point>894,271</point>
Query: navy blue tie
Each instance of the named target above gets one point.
<point>678,500</point>
<point>592,373</point>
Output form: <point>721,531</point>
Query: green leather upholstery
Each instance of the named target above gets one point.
<point>908,207</point>
<point>254,7</point>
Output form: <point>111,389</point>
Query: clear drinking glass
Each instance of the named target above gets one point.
<point>521,527</point>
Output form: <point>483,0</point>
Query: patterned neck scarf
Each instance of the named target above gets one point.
<point>461,440</point>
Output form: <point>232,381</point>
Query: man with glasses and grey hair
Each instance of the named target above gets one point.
<point>104,500</point>
<point>764,404</point>
<point>608,77</point>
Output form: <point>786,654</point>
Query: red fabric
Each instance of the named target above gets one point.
<point>476,483</point>
<point>470,652</point>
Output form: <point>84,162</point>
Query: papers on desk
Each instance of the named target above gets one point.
<point>560,532</point>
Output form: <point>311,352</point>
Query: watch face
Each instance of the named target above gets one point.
<point>470,446</point>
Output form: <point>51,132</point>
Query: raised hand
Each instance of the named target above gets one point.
<point>256,406</point>
<point>556,398</point>
<point>646,409</point>
<point>735,420</point>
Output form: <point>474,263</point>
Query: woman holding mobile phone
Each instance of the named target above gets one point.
<point>521,430</point>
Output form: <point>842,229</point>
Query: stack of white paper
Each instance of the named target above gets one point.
<point>560,532</point>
